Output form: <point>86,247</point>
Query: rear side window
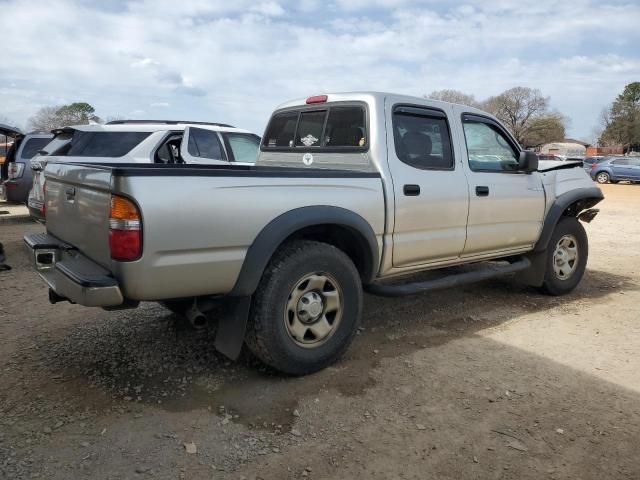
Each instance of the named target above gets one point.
<point>204,144</point>
<point>333,127</point>
<point>104,144</point>
<point>244,146</point>
<point>422,139</point>
<point>281,130</point>
<point>621,161</point>
<point>32,147</point>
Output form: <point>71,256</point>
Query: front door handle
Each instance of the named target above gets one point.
<point>482,191</point>
<point>412,190</point>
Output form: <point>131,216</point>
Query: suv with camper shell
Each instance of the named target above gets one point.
<point>350,192</point>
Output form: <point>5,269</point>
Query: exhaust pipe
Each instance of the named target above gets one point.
<point>197,313</point>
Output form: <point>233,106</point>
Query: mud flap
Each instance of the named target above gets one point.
<point>534,275</point>
<point>232,326</point>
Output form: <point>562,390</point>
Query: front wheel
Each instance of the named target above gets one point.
<point>603,177</point>
<point>567,255</point>
<point>306,309</point>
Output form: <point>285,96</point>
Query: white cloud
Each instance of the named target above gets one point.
<point>235,61</point>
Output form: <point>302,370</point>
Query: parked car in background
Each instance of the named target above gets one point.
<point>144,141</point>
<point>587,162</point>
<point>616,169</point>
<point>19,175</point>
<point>7,151</point>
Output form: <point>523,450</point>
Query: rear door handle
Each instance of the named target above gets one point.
<point>482,191</point>
<point>412,190</point>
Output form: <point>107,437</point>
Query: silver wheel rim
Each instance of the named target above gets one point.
<point>313,310</point>
<point>565,257</point>
<point>603,178</point>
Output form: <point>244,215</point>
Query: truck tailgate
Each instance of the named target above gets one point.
<point>78,201</point>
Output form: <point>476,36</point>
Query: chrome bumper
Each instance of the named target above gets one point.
<point>71,275</point>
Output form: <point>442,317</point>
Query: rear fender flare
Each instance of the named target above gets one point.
<point>282,227</point>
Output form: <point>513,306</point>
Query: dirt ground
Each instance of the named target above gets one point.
<point>492,381</point>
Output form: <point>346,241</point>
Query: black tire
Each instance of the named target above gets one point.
<point>268,335</point>
<point>602,177</point>
<point>553,284</point>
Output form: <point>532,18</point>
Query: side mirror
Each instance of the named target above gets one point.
<point>528,161</point>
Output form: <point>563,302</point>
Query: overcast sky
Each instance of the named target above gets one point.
<point>234,60</point>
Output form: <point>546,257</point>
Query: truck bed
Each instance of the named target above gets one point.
<point>197,221</point>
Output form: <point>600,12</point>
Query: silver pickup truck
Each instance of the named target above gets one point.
<point>349,192</point>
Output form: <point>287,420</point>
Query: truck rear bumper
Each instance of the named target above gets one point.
<point>71,275</point>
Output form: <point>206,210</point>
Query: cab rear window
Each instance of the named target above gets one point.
<point>104,144</point>
<point>326,128</point>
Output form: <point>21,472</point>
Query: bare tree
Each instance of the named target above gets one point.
<point>454,96</point>
<point>48,118</point>
<point>516,108</point>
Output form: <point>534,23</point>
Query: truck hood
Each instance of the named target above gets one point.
<point>548,165</point>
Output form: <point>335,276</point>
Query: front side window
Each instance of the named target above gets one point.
<point>32,147</point>
<point>104,144</point>
<point>488,148</point>
<point>204,144</point>
<point>244,146</point>
<point>422,141</point>
<point>621,162</point>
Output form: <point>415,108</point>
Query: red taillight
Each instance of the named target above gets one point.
<point>125,230</point>
<point>317,99</point>
<point>593,165</point>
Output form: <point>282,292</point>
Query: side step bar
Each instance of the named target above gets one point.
<point>490,271</point>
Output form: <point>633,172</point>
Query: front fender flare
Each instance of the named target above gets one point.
<point>583,198</point>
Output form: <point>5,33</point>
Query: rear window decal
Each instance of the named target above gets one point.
<point>308,140</point>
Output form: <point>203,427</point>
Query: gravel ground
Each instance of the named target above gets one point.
<point>488,381</point>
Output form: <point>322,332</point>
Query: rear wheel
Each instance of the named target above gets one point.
<point>567,255</point>
<point>306,309</point>
<point>603,177</point>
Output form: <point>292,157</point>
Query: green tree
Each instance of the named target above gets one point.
<point>545,128</point>
<point>622,122</point>
<point>50,117</point>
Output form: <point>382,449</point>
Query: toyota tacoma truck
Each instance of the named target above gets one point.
<point>351,192</point>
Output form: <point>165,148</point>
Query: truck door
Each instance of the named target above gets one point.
<point>431,193</point>
<point>506,206</point>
